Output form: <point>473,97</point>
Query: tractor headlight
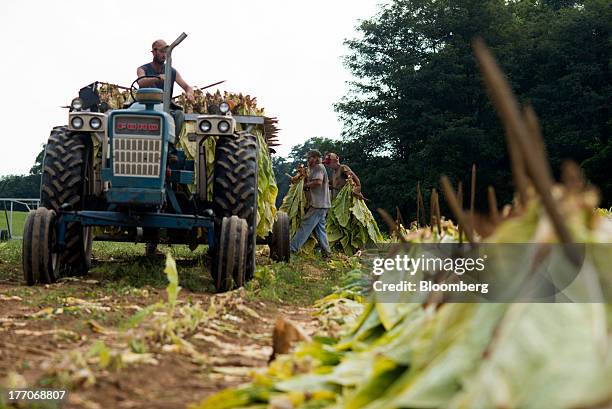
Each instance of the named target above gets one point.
<point>95,123</point>
<point>223,126</point>
<point>224,107</point>
<point>205,126</point>
<point>77,104</point>
<point>76,122</point>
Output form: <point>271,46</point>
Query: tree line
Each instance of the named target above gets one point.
<point>418,109</point>
<point>24,186</point>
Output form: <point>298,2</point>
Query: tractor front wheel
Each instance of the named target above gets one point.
<point>229,265</point>
<point>67,181</point>
<point>40,257</point>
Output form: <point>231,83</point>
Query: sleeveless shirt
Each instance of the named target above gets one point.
<point>149,70</point>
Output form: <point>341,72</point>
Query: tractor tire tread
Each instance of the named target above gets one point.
<point>235,187</point>
<point>63,182</point>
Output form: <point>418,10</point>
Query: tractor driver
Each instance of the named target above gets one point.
<point>156,68</point>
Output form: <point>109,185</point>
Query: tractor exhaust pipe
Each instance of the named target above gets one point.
<point>168,72</point>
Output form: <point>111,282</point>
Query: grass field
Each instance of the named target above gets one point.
<point>303,280</point>
<point>122,266</point>
<point>18,222</point>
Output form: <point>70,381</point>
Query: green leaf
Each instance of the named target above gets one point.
<point>544,355</point>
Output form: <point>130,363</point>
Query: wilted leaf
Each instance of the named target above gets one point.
<point>172,274</point>
<point>96,327</point>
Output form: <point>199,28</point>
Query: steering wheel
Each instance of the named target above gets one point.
<point>132,87</point>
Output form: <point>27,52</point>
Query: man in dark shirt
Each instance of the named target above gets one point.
<point>315,217</point>
<point>156,67</point>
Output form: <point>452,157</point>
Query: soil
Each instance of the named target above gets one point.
<point>41,326</point>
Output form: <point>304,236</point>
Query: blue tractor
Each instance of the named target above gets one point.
<point>122,172</point>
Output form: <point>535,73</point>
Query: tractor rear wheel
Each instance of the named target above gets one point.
<point>235,187</point>
<point>67,180</point>
<point>231,255</point>
<point>279,245</point>
<point>40,259</point>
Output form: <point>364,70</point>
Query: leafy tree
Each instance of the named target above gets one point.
<point>418,109</point>
<point>299,152</point>
<point>36,169</point>
<point>20,186</point>
<point>281,167</point>
<point>23,186</point>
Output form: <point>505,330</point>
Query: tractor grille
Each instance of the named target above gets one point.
<point>137,157</point>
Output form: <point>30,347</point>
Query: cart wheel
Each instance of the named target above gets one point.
<point>279,246</point>
<point>40,257</point>
<point>231,254</point>
<point>235,187</point>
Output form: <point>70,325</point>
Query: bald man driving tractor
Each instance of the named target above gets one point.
<point>156,68</point>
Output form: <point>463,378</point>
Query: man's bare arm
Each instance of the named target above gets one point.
<point>349,172</point>
<point>184,85</point>
<point>355,178</point>
<point>314,183</point>
<point>147,82</point>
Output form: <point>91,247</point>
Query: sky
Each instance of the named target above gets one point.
<point>288,54</point>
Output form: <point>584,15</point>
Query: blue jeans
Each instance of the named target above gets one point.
<point>314,219</point>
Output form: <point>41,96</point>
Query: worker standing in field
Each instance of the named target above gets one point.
<point>156,68</point>
<point>315,218</point>
<point>340,175</point>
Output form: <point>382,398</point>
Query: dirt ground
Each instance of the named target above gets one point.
<point>77,334</point>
